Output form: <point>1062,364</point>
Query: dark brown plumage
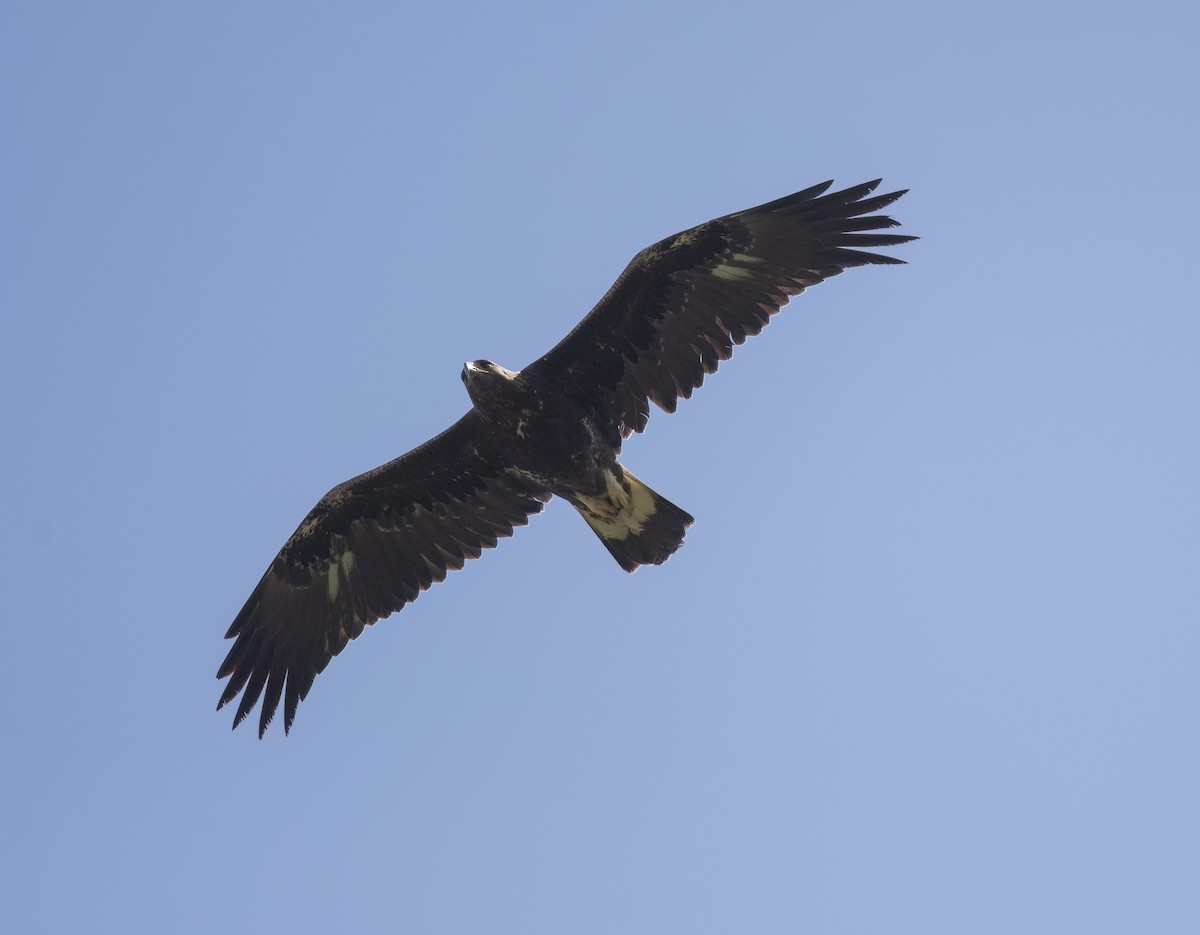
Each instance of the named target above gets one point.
<point>372,544</point>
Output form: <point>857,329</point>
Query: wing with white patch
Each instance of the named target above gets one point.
<point>682,304</point>
<point>370,546</point>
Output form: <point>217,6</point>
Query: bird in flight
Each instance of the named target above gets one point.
<point>374,543</point>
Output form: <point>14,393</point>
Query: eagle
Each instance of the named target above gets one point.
<point>372,544</point>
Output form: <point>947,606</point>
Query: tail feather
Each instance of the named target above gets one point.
<point>645,530</point>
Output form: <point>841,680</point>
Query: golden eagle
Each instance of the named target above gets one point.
<point>374,543</point>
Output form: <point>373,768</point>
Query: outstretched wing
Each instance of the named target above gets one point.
<point>682,304</point>
<point>370,546</point>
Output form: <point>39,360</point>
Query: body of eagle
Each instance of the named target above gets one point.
<point>374,543</point>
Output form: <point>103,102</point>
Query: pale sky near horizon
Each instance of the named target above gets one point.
<point>927,660</point>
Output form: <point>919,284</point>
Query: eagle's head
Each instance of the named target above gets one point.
<point>485,380</point>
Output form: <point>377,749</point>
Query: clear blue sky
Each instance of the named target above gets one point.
<point>928,660</point>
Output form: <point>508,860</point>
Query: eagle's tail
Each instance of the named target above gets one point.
<point>636,525</point>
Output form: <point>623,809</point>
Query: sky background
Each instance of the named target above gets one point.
<point>927,660</point>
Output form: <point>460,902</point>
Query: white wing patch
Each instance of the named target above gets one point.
<point>337,571</point>
<point>736,267</point>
